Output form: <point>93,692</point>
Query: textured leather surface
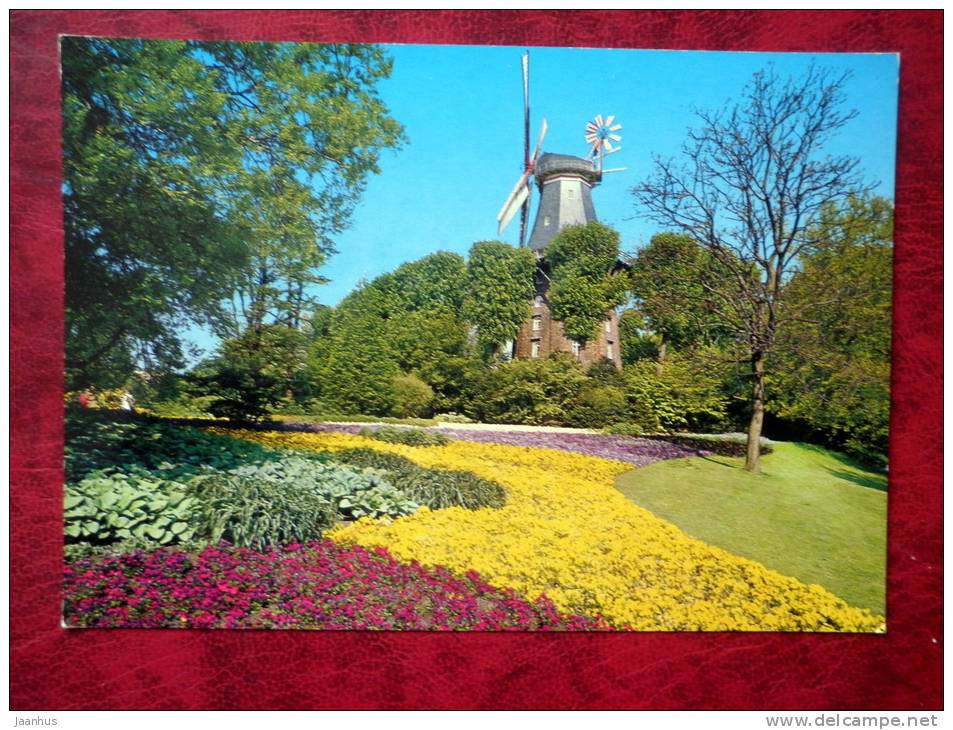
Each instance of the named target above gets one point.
<point>125,669</point>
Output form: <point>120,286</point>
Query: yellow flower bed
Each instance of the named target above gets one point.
<point>567,532</point>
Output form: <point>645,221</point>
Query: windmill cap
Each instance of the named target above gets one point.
<point>552,165</point>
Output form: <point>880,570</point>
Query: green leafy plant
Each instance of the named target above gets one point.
<point>291,500</point>
<point>406,436</point>
<point>108,507</point>
<point>435,488</point>
<point>95,442</point>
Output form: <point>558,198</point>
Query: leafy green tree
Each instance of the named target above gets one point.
<point>252,373</point>
<point>834,359</point>
<point>586,284</point>
<point>753,180</point>
<point>672,280</point>
<point>499,288</point>
<point>636,340</point>
<point>353,366</point>
<point>202,174</point>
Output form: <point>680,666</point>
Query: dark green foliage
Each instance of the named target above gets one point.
<point>403,323</point>
<point>108,506</point>
<point>253,373</point>
<point>107,440</point>
<point>435,488</point>
<point>636,341</point>
<point>527,391</point>
<point>598,405</point>
<point>290,500</point>
<point>676,282</point>
<point>832,363</point>
<point>406,436</point>
<point>195,169</point>
<point>253,513</point>
<point>499,287</point>
<point>585,283</point>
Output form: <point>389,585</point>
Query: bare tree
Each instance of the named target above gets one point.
<point>749,188</point>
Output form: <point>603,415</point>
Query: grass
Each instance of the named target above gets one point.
<point>812,514</point>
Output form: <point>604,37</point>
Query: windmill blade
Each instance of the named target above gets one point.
<point>524,213</point>
<point>525,62</point>
<point>615,127</point>
<point>539,141</point>
<point>609,120</point>
<point>516,199</point>
<point>615,137</point>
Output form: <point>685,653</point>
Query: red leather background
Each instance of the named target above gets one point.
<point>126,669</point>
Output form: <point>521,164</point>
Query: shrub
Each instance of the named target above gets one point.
<point>663,397</point>
<point>596,406</point>
<point>528,391</point>
<point>436,488</point>
<point>184,406</point>
<point>412,396</point>
<point>291,500</point>
<point>253,373</point>
<point>109,507</point>
<point>406,436</point>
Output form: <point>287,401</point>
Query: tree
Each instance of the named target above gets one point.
<point>254,372</point>
<point>671,280</point>
<point>750,189</point>
<point>499,289</point>
<point>834,358</point>
<point>196,171</point>
<point>586,284</point>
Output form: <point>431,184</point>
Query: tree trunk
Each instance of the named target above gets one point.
<point>662,352</point>
<point>753,458</point>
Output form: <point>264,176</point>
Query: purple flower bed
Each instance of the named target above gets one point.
<point>318,585</point>
<point>637,451</point>
<point>629,449</point>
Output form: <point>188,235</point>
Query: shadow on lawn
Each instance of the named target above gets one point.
<point>871,481</point>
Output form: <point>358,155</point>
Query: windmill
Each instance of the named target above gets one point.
<point>600,134</point>
<point>565,185</point>
<point>520,197</point>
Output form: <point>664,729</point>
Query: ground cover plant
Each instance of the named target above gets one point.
<point>794,518</point>
<point>632,450</point>
<point>317,585</point>
<point>435,488</point>
<point>636,570</point>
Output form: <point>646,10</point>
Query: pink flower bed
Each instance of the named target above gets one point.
<point>318,585</point>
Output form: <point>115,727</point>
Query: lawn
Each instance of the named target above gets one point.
<point>812,514</point>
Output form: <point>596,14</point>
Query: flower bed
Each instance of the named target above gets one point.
<point>628,449</point>
<point>318,585</point>
<point>566,532</point>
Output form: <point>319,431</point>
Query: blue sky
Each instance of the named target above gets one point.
<point>462,110</point>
